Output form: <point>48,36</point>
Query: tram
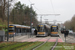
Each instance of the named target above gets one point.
<point>54,30</point>
<point>15,29</point>
<point>42,30</point>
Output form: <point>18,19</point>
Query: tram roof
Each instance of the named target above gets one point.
<point>54,25</point>
<point>17,25</point>
<point>45,25</point>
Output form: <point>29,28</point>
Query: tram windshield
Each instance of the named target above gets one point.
<point>54,29</point>
<point>11,29</point>
<point>40,29</point>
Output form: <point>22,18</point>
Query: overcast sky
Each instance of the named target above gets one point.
<point>66,9</point>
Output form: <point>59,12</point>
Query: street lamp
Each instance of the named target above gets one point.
<point>0,2</point>
<point>8,23</point>
<point>41,19</point>
<point>31,19</point>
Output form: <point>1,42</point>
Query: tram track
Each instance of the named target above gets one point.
<point>52,48</point>
<point>40,45</point>
<point>37,46</point>
<point>27,44</point>
<point>54,45</point>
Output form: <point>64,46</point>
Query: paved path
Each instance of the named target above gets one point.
<point>69,38</point>
<point>42,40</point>
<point>26,38</point>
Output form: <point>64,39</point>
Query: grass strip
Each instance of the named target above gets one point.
<point>6,44</point>
<point>65,46</point>
<point>46,46</point>
<point>30,46</point>
<point>13,46</point>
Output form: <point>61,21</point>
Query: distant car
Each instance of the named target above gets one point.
<point>70,32</point>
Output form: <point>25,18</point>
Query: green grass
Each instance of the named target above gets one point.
<point>30,46</point>
<point>46,46</point>
<point>13,46</point>
<point>65,46</point>
<point>7,43</point>
<point>18,45</point>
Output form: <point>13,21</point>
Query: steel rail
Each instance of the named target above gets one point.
<point>54,45</point>
<point>40,45</point>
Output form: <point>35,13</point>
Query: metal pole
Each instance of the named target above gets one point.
<point>41,19</point>
<point>13,15</point>
<point>65,39</point>
<point>8,23</point>
<point>13,37</point>
<point>31,20</point>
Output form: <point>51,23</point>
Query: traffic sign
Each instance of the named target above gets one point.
<point>32,23</point>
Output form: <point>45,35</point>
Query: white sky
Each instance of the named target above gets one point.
<point>66,9</point>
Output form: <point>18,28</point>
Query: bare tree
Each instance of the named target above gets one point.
<point>67,24</point>
<point>73,22</point>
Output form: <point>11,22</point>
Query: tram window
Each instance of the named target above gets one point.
<point>55,29</point>
<point>11,28</point>
<point>18,30</point>
<point>40,29</point>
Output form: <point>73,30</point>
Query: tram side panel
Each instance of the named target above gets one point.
<point>47,31</point>
<point>18,30</point>
<point>23,31</point>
